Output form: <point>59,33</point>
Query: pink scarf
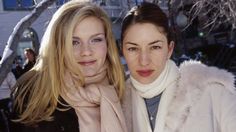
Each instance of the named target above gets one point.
<point>97,105</point>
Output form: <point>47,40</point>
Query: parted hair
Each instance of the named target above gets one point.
<point>37,92</point>
<point>146,13</point>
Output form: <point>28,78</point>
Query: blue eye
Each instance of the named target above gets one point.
<point>97,40</point>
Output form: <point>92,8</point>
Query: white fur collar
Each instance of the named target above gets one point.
<point>193,80</point>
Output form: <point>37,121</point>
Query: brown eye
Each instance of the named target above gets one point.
<point>155,47</point>
<point>132,49</point>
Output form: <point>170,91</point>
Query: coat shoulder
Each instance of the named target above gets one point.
<point>126,104</point>
<point>194,72</point>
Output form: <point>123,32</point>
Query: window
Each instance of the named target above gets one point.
<point>18,4</point>
<point>29,39</point>
<point>61,2</point>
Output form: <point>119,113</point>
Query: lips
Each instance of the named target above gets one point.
<point>145,73</point>
<point>87,63</point>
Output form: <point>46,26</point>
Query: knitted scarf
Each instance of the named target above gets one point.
<point>140,116</point>
<point>97,105</point>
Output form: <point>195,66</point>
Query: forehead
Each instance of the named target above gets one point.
<point>143,33</point>
<point>27,52</point>
<point>89,24</point>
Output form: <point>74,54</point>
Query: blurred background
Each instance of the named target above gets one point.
<point>204,30</point>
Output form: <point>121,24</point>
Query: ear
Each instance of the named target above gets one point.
<point>171,48</point>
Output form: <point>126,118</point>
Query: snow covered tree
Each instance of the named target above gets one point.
<point>9,53</point>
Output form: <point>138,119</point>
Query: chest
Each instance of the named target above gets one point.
<point>63,121</point>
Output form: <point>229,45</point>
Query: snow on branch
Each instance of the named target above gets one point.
<point>217,11</point>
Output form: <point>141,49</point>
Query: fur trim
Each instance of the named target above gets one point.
<point>194,79</point>
<point>196,72</point>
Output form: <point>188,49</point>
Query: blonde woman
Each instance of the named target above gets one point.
<point>77,81</point>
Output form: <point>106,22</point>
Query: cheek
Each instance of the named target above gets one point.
<point>131,61</point>
<point>158,60</point>
<point>161,55</point>
<point>130,56</point>
<point>102,52</point>
<point>76,53</point>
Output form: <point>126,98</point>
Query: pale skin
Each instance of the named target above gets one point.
<point>89,45</point>
<point>146,51</point>
<point>29,55</point>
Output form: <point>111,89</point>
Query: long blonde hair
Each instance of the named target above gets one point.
<point>38,91</point>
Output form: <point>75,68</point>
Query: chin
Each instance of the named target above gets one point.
<point>145,80</point>
<point>89,74</point>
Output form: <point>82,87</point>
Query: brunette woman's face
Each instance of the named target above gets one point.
<point>89,45</point>
<point>29,56</point>
<point>146,51</point>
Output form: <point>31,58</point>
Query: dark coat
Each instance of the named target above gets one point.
<point>27,66</point>
<point>64,121</point>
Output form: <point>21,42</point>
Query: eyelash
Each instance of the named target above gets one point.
<point>132,49</point>
<point>96,40</point>
<point>75,42</point>
<point>155,47</point>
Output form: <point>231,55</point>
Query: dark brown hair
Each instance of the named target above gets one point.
<point>31,51</point>
<point>146,13</point>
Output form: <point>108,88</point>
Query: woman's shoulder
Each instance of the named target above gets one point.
<point>198,74</point>
<point>23,80</point>
<point>26,76</point>
<point>126,104</point>
<point>128,83</point>
<point>127,91</point>
<point>63,119</point>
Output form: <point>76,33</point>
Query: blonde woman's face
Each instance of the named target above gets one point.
<point>89,45</point>
<point>146,51</point>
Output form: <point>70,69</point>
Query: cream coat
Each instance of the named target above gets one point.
<point>203,100</point>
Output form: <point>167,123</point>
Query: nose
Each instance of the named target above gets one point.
<point>144,58</point>
<point>85,50</point>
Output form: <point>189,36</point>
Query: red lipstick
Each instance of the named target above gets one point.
<point>145,73</point>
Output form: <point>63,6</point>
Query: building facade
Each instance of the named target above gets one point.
<point>12,11</point>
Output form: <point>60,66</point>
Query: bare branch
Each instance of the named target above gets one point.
<point>217,12</point>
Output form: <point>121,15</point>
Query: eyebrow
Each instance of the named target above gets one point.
<point>151,43</point>
<point>75,37</point>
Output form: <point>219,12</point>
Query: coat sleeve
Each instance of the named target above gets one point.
<point>224,105</point>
